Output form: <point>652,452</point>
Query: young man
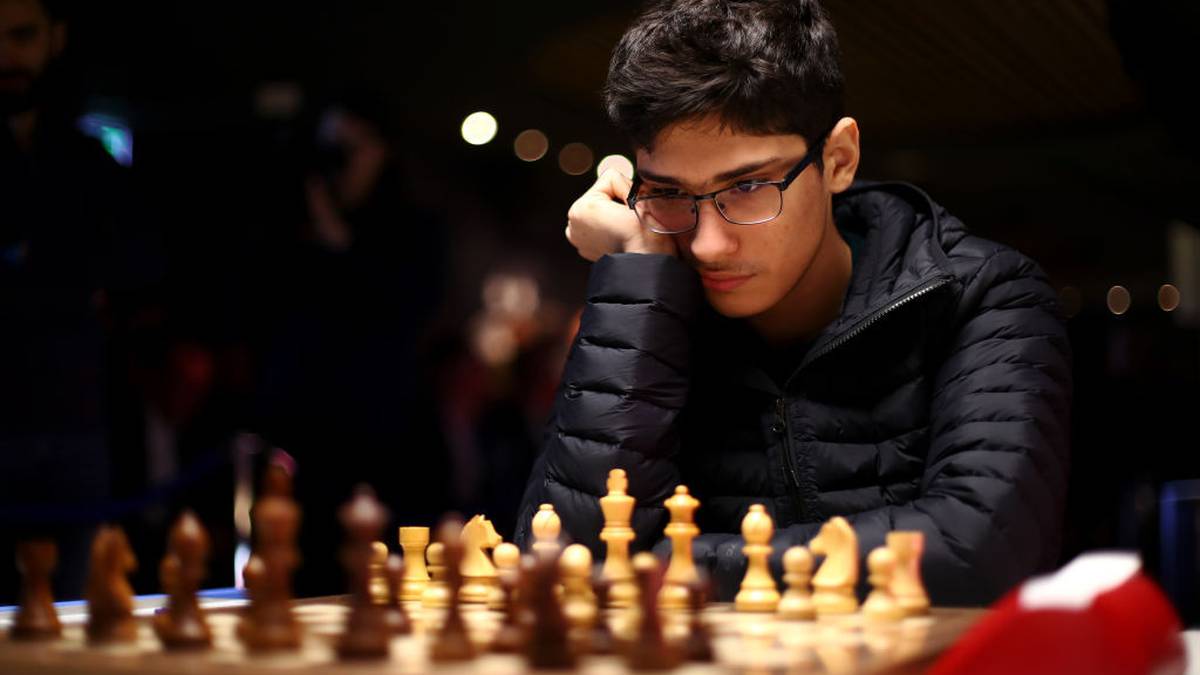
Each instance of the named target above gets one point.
<point>763,329</point>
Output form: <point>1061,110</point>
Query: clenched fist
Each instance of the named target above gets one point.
<point>600,222</point>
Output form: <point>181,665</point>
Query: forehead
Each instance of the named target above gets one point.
<point>695,152</point>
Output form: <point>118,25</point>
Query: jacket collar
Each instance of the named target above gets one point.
<point>902,262</point>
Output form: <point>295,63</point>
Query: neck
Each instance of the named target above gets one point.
<point>816,299</point>
<point>21,125</point>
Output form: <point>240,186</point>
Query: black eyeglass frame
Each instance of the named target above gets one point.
<point>783,184</point>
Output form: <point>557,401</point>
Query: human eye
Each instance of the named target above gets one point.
<point>748,187</point>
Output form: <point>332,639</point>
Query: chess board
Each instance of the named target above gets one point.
<point>743,642</point>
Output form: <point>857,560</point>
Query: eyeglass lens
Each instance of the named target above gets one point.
<point>740,204</point>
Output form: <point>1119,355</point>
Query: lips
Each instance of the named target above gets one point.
<point>723,282</point>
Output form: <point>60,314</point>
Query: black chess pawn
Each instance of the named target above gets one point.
<point>367,634</point>
<point>650,650</point>
<point>397,617</point>
<point>698,644</point>
<point>453,642</point>
<point>548,645</point>
<point>603,641</point>
<point>515,577</point>
<point>36,619</point>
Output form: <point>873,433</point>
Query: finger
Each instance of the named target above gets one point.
<point>612,185</point>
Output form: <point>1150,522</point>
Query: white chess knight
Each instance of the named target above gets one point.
<point>479,575</point>
<point>833,584</point>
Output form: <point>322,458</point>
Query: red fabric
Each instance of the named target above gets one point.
<point>1128,630</point>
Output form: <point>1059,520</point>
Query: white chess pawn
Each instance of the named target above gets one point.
<point>436,593</point>
<point>881,606</point>
<point>758,592</point>
<point>907,587</point>
<point>506,557</point>
<point>578,599</point>
<point>546,527</point>
<point>377,573</point>
<point>797,603</point>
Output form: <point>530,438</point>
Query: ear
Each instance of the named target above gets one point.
<point>841,155</point>
<point>58,37</point>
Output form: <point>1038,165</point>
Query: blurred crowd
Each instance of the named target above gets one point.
<point>158,343</point>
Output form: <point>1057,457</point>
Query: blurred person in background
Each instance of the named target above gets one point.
<point>358,280</point>
<point>74,271</point>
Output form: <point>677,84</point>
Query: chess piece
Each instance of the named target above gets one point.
<point>546,527</point>
<point>505,557</point>
<point>881,605</point>
<point>413,541</point>
<point>36,619</point>
<point>835,580</point>
<point>109,595</point>
<point>578,599</point>
<point>378,581</point>
<point>452,642</point>
<point>397,617</point>
<point>268,623</point>
<point>602,641</point>
<point>797,603</point>
<point>510,637</point>
<point>757,592</point>
<point>617,535</point>
<point>681,572</point>
<point>181,624</point>
<point>649,649</point>
<point>907,588</point>
<point>366,634</point>
<point>479,574</point>
<point>436,593</point>
<point>698,645</point>
<point>548,645</point>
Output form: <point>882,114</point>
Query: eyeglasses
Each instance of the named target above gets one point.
<point>745,203</point>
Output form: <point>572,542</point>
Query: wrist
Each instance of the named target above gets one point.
<point>657,244</point>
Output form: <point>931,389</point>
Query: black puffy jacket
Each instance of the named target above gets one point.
<point>938,401</point>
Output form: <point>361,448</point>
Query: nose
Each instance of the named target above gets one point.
<point>714,239</point>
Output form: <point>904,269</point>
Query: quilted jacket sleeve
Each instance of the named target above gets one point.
<point>624,384</point>
<point>993,490</point>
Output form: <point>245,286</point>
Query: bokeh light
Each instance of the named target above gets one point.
<point>575,159</point>
<point>531,145</point>
<point>479,128</point>
<point>494,341</point>
<point>619,163</point>
<point>1119,300</point>
<point>511,295</point>
<point>1168,298</point>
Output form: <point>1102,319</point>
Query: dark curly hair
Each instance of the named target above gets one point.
<point>762,66</point>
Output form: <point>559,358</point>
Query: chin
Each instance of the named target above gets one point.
<point>734,307</point>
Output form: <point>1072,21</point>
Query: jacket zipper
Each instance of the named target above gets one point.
<point>866,323</point>
<point>781,403</point>
<point>793,472</point>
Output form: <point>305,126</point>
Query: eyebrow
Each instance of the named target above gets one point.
<point>719,178</point>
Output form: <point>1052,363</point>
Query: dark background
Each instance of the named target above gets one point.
<point>1062,128</point>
